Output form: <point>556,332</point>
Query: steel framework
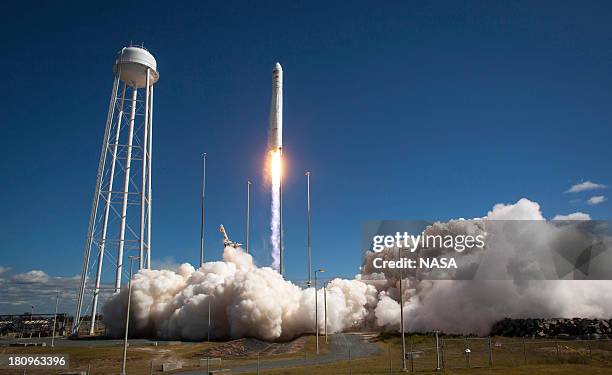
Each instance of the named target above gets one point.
<point>121,210</point>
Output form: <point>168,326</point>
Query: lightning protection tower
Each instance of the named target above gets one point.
<point>120,220</point>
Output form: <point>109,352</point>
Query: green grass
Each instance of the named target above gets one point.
<point>108,359</point>
<point>511,356</point>
<point>508,358</point>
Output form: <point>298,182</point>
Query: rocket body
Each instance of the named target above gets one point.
<point>275,137</point>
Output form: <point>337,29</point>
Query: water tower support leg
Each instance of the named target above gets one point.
<point>94,304</point>
<point>143,186</point>
<point>149,196</point>
<point>125,192</point>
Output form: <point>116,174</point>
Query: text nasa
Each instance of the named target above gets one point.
<point>411,242</point>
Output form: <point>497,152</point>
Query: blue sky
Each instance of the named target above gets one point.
<point>401,110</point>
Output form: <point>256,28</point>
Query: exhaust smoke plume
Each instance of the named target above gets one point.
<point>275,235</point>
<point>252,301</point>
<point>245,301</point>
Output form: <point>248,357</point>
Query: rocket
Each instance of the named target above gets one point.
<point>275,140</point>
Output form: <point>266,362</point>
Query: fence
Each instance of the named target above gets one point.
<point>473,352</point>
<point>358,354</point>
<point>428,354</point>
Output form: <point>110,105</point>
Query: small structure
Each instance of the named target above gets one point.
<point>226,241</point>
<point>170,366</point>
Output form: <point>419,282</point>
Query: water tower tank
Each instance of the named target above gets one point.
<point>132,64</point>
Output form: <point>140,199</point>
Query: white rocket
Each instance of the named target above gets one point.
<point>275,140</point>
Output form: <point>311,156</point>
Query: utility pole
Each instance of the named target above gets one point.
<point>402,315</point>
<point>308,205</point>
<point>248,215</point>
<point>202,222</point>
<point>325,307</point>
<point>127,317</point>
<point>437,351</point>
<point>208,327</point>
<point>317,308</point>
<point>55,319</point>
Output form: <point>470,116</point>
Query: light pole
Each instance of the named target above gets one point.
<point>202,222</point>
<point>55,319</point>
<point>308,205</point>
<point>208,327</point>
<point>437,351</point>
<point>402,315</point>
<point>127,317</point>
<point>325,305</point>
<point>317,308</point>
<point>248,214</point>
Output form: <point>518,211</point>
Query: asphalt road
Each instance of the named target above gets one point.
<point>342,346</point>
<point>62,342</point>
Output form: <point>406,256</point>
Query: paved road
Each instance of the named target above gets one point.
<point>63,342</point>
<point>340,346</point>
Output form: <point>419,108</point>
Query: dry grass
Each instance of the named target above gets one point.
<point>108,359</point>
<point>509,359</point>
<point>574,357</point>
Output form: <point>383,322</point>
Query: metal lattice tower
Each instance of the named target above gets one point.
<point>121,211</point>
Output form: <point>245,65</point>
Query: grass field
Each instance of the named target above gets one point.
<point>507,355</point>
<point>108,360</point>
<point>511,356</point>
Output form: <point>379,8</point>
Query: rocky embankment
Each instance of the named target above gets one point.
<point>576,327</point>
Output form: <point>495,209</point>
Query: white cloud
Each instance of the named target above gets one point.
<point>584,186</point>
<point>37,288</point>
<point>524,209</point>
<point>597,199</point>
<point>573,216</point>
<point>34,276</point>
<point>4,269</point>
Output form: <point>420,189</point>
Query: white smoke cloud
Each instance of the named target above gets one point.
<point>165,263</point>
<point>524,209</point>
<point>246,300</point>
<point>275,233</point>
<point>472,306</point>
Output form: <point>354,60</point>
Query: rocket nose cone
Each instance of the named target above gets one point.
<point>278,66</point>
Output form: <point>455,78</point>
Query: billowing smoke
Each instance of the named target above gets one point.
<point>244,300</point>
<point>472,306</point>
<point>251,301</point>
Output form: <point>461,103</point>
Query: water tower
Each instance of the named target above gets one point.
<point>120,220</point>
